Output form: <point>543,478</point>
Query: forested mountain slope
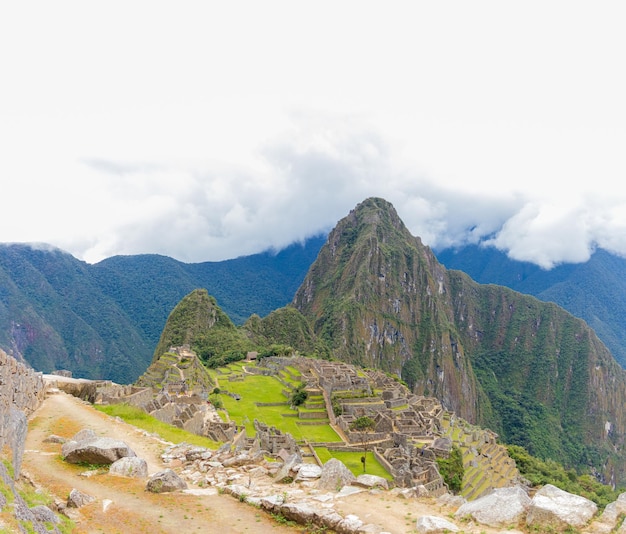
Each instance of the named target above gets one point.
<point>508,361</point>
<point>594,291</point>
<point>104,320</point>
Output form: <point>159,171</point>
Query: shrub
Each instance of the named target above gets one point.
<point>452,470</point>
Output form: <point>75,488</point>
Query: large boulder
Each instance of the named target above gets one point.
<point>552,507</point>
<point>165,481</point>
<point>335,475</point>
<point>502,507</point>
<point>129,466</point>
<point>95,451</point>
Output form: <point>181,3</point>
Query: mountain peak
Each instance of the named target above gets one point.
<point>375,213</point>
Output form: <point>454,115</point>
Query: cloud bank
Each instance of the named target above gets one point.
<point>207,131</point>
<point>303,182</point>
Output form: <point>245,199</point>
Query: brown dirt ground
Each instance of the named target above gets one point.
<point>135,510</point>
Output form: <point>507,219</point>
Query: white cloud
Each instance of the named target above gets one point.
<point>206,131</point>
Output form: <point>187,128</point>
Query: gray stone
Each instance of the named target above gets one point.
<point>53,438</point>
<point>552,507</point>
<point>350,524</point>
<point>284,473</point>
<point>78,499</point>
<point>502,507</point>
<point>335,475</point>
<point>97,451</point>
<point>129,466</point>
<point>308,472</point>
<point>165,481</point>
<point>613,510</point>
<point>17,427</point>
<point>371,481</point>
<point>44,514</point>
<point>430,524</point>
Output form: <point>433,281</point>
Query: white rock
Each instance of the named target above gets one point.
<point>308,472</point>
<point>430,524</point>
<point>553,507</point>
<point>613,510</point>
<point>371,481</point>
<point>502,507</point>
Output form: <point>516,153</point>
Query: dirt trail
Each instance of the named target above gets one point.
<point>132,509</point>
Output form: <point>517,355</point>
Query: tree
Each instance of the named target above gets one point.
<point>364,425</point>
<point>299,396</point>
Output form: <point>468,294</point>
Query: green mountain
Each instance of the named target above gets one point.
<point>525,368</point>
<point>53,315</point>
<point>593,290</point>
<point>198,322</point>
<point>104,320</point>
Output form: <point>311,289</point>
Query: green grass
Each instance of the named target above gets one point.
<point>258,388</point>
<point>141,419</point>
<point>352,460</point>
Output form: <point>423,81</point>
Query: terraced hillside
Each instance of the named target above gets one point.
<point>487,464</point>
<point>337,393</point>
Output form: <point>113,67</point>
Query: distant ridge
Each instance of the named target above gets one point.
<point>104,320</point>
<point>594,290</point>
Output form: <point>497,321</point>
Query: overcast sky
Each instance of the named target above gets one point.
<point>209,130</point>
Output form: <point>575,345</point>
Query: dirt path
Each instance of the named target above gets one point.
<point>137,511</point>
<point>132,509</point>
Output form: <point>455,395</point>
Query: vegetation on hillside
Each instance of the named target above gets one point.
<point>197,321</point>
<point>501,359</point>
<point>592,290</point>
<point>540,472</point>
<point>451,469</point>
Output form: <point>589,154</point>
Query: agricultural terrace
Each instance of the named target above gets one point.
<point>246,397</point>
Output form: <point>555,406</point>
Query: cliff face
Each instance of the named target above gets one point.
<point>527,369</point>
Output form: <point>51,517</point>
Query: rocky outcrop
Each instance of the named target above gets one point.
<point>78,499</point>
<point>129,466</point>
<point>430,524</point>
<point>335,475</point>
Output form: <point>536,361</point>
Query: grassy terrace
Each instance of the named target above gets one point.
<point>254,389</point>
<point>140,419</point>
<point>352,460</point>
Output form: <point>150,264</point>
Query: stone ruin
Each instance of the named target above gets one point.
<point>407,437</point>
<point>406,425</point>
<point>273,441</point>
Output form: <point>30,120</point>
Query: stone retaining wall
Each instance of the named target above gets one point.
<point>22,391</point>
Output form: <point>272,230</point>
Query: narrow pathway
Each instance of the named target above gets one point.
<point>133,509</point>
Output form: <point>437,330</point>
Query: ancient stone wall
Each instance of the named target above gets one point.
<point>22,390</point>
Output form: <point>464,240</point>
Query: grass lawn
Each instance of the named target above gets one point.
<point>141,419</point>
<point>352,461</point>
<point>258,388</point>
